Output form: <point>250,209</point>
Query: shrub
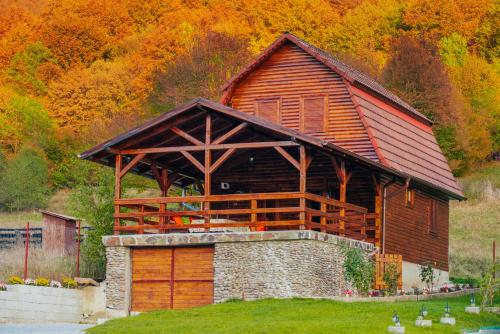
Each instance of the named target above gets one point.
<point>465,280</point>
<point>427,275</point>
<point>490,286</point>
<point>17,193</point>
<point>358,269</point>
<point>16,280</point>
<point>69,283</point>
<point>41,281</point>
<point>391,278</point>
<point>93,202</point>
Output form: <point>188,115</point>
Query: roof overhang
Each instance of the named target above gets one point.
<point>292,135</point>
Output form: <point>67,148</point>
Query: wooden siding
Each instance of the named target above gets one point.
<point>166,278</point>
<point>407,229</point>
<point>405,143</point>
<point>291,74</point>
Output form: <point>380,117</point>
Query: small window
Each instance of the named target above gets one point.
<point>313,113</point>
<point>410,198</point>
<point>268,109</point>
<point>433,216</point>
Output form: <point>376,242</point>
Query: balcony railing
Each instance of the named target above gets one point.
<point>248,212</point>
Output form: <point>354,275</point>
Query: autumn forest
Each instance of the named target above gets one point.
<point>74,73</point>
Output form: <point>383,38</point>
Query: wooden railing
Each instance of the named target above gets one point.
<point>258,211</point>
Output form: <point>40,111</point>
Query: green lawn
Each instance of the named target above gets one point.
<point>297,316</point>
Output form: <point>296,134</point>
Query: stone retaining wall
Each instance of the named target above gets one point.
<point>247,265</point>
<point>278,269</point>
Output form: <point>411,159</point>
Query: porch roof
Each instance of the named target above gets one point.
<point>146,136</point>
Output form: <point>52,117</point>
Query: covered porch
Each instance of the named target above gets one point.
<point>238,172</point>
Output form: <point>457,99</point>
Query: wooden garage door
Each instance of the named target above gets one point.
<point>171,278</point>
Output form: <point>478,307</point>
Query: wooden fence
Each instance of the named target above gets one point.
<point>382,261</point>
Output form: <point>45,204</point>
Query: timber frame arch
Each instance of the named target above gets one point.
<point>275,178</point>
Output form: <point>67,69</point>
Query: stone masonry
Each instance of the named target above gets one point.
<point>277,269</point>
<point>118,278</point>
<point>248,265</point>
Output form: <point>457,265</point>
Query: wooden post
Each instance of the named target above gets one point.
<point>208,155</point>
<point>342,196</point>
<point>78,250</point>
<point>494,258</point>
<point>253,215</point>
<point>302,185</point>
<point>118,189</point>
<point>378,210</point>
<point>323,218</point>
<point>164,192</point>
<point>26,252</point>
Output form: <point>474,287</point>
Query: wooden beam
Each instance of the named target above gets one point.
<point>157,175</point>
<point>202,148</point>
<point>132,164</point>
<point>193,160</point>
<point>173,177</point>
<point>230,133</point>
<point>222,159</point>
<point>302,183</point>
<point>288,157</point>
<point>186,136</point>
<point>208,162</point>
<point>118,189</point>
<point>337,169</point>
<point>309,160</point>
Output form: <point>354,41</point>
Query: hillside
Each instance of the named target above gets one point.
<point>74,73</point>
<point>475,223</point>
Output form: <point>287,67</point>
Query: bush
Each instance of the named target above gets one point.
<point>465,280</point>
<point>391,278</point>
<point>25,181</point>
<point>358,269</point>
<point>69,283</point>
<point>93,202</point>
<point>427,275</point>
<point>16,280</point>
<point>41,281</point>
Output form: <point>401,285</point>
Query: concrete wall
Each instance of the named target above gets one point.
<point>411,276</point>
<point>24,303</point>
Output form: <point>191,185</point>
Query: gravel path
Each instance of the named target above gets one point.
<point>55,328</point>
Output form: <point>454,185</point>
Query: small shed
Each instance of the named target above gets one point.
<point>59,233</point>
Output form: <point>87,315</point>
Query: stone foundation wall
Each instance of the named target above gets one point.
<point>118,278</point>
<point>279,269</point>
<point>247,265</point>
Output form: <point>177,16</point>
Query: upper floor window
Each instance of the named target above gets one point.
<point>313,113</point>
<point>410,198</point>
<point>268,109</point>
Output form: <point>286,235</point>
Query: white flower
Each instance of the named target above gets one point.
<point>55,284</point>
<point>29,281</point>
<point>3,286</point>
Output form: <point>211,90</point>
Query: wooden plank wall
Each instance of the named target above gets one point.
<point>290,74</point>
<point>407,229</point>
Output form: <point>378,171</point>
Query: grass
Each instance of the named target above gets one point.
<point>297,316</point>
<point>40,264</point>
<point>475,223</point>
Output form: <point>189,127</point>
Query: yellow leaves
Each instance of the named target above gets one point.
<point>89,99</point>
<point>443,17</point>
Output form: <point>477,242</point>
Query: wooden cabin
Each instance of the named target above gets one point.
<point>299,141</point>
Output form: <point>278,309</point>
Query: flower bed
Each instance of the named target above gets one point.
<point>67,283</point>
